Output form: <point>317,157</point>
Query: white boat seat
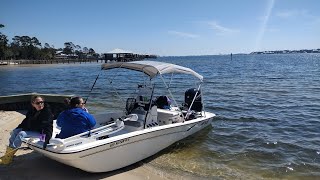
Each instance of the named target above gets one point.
<point>133,123</point>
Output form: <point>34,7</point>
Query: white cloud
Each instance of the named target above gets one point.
<point>220,30</point>
<point>291,13</point>
<point>305,15</point>
<point>183,34</point>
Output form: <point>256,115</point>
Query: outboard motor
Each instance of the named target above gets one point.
<point>189,96</point>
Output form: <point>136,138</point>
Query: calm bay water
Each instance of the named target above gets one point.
<point>267,106</point>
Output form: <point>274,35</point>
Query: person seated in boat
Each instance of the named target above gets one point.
<point>163,102</point>
<point>75,120</point>
<point>38,123</point>
<point>67,103</point>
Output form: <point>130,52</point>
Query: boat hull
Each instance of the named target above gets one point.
<point>127,149</point>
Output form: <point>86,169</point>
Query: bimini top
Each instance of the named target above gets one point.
<point>151,68</point>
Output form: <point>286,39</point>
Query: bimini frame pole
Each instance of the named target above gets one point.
<point>203,106</point>
<point>149,109</point>
<point>194,98</point>
<point>167,87</point>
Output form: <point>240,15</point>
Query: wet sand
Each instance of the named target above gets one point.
<point>28,164</point>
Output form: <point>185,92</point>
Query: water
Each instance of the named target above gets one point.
<point>267,107</point>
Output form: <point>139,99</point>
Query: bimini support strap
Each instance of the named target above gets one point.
<point>92,86</point>
<point>171,95</point>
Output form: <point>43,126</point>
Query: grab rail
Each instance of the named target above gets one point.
<point>57,144</point>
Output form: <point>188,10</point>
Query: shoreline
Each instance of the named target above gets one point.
<point>49,61</point>
<point>28,164</point>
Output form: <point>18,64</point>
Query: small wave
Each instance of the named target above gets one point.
<point>244,119</point>
<point>276,78</point>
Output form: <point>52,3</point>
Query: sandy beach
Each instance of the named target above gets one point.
<point>28,164</point>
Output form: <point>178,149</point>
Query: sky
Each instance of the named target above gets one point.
<point>167,27</point>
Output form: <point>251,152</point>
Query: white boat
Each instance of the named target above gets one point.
<point>141,130</point>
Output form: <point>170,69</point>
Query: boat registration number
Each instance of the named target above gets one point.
<point>119,142</point>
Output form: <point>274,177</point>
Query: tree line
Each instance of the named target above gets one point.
<point>30,48</point>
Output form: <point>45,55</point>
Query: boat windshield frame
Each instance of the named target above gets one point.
<point>154,69</point>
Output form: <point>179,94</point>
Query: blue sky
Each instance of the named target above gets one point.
<point>167,27</point>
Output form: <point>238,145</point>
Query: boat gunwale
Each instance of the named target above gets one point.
<point>143,132</point>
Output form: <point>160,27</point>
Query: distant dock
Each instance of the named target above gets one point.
<point>120,55</point>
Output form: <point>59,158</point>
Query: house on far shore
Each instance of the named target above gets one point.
<point>121,55</point>
<point>61,55</point>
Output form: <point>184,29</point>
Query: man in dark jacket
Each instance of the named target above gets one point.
<point>38,122</point>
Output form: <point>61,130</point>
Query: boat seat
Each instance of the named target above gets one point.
<point>133,123</point>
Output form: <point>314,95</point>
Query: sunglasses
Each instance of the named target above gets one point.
<point>83,103</point>
<point>37,103</point>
